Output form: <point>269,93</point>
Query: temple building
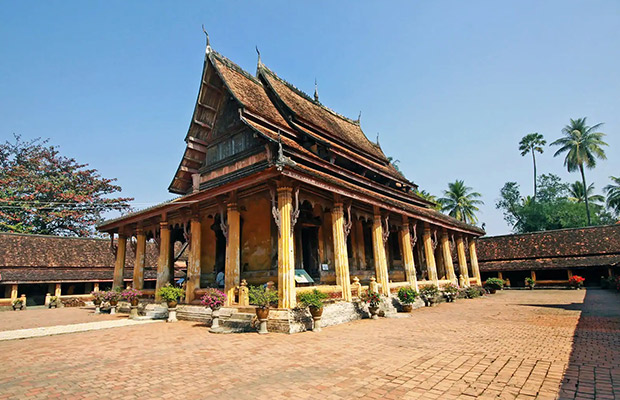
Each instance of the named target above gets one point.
<point>274,186</point>
<point>35,265</point>
<point>552,257</point>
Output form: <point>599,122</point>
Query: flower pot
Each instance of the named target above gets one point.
<point>492,291</point>
<point>215,320</point>
<point>316,312</point>
<point>262,313</point>
<point>53,305</point>
<point>407,308</point>
<point>113,303</point>
<point>374,311</point>
<point>135,301</point>
<point>97,302</point>
<point>172,304</point>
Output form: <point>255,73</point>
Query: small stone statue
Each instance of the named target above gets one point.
<point>244,293</point>
<point>356,286</point>
<point>373,286</point>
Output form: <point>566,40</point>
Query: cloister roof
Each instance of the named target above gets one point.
<point>563,248</point>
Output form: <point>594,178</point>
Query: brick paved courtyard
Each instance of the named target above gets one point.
<point>515,344</point>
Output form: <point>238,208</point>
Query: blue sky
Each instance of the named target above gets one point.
<point>450,86</point>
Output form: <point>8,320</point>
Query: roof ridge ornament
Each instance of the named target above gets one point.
<point>259,63</point>
<point>316,91</point>
<point>208,42</point>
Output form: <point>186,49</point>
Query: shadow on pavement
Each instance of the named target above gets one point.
<point>593,371</point>
<point>568,306</point>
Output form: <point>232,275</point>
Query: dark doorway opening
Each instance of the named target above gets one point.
<point>35,293</point>
<point>517,278</point>
<point>220,246</point>
<point>310,251</point>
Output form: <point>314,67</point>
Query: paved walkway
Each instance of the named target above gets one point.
<point>74,328</point>
<point>38,317</point>
<point>515,344</point>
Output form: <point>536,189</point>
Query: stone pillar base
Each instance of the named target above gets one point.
<point>317,324</point>
<point>172,315</point>
<point>133,314</point>
<point>262,327</point>
<point>113,310</point>
<point>215,322</point>
<point>97,310</point>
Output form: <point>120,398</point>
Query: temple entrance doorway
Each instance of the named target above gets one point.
<point>220,250</point>
<point>310,251</point>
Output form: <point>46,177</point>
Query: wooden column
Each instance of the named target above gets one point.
<point>232,271</point>
<point>341,257</point>
<point>58,290</point>
<point>193,265</point>
<point>165,258</point>
<point>500,275</point>
<point>460,251</point>
<point>119,265</point>
<point>138,266</point>
<point>447,257</point>
<point>408,262</point>
<point>286,250</point>
<point>473,259</point>
<point>570,273</point>
<point>14,289</point>
<point>379,253</point>
<point>533,275</point>
<point>429,254</point>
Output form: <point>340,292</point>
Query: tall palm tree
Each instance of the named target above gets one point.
<point>578,196</point>
<point>532,143</point>
<point>582,145</point>
<point>613,194</point>
<point>460,202</point>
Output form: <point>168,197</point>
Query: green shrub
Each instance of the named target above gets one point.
<point>473,292</point>
<point>312,299</point>
<point>171,293</point>
<point>494,283</point>
<point>530,282</point>
<point>407,295</point>
<point>260,296</point>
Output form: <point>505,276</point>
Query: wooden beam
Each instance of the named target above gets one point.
<point>196,140</point>
<point>207,107</point>
<point>187,169</point>
<point>198,147</point>
<point>203,124</point>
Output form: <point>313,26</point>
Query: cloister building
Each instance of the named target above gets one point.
<point>276,187</point>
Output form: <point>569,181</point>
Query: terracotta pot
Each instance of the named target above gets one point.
<point>97,302</point>
<point>135,301</point>
<point>262,312</point>
<point>172,304</point>
<point>113,303</point>
<point>316,312</point>
<point>492,291</point>
<point>407,307</point>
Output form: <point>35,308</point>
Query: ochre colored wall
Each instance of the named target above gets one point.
<point>207,246</point>
<point>256,233</point>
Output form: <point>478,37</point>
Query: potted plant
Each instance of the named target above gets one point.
<point>132,296</point>
<point>97,300</point>
<point>171,294</point>
<point>53,302</point>
<point>494,284</point>
<point>428,293</point>
<point>262,298</point>
<point>450,290</point>
<point>18,304</point>
<point>530,283</point>
<point>576,281</point>
<point>373,299</point>
<point>314,301</point>
<point>407,296</point>
<point>214,299</point>
<point>473,292</point>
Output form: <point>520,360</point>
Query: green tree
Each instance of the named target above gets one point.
<point>429,197</point>
<point>46,193</point>
<point>613,194</point>
<point>460,202</point>
<point>532,143</point>
<point>582,145</point>
<point>576,194</point>
<point>553,208</point>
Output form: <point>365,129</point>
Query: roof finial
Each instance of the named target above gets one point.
<point>206,34</point>
<point>258,52</point>
<point>377,138</point>
<point>316,91</point>
<point>359,117</point>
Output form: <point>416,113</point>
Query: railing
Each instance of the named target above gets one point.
<point>321,288</point>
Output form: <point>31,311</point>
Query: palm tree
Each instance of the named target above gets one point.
<point>532,143</point>
<point>582,145</point>
<point>613,194</point>
<point>429,197</point>
<point>460,202</point>
<point>578,196</point>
